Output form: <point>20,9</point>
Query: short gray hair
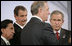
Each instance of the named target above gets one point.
<point>57,12</point>
<point>36,5</point>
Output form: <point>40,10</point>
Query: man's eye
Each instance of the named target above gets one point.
<point>59,20</point>
<point>11,28</point>
<point>22,16</point>
<point>54,19</point>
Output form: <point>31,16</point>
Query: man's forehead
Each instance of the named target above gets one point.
<point>10,25</point>
<point>57,15</point>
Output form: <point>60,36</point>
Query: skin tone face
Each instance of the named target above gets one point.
<point>45,12</point>
<point>56,21</point>
<point>8,32</point>
<point>21,18</point>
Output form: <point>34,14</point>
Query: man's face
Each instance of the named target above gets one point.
<point>9,31</point>
<point>22,17</point>
<point>45,12</point>
<point>56,21</point>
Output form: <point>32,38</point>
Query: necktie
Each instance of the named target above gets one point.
<point>57,35</point>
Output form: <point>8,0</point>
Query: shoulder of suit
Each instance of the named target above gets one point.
<point>67,31</point>
<point>2,42</point>
<point>48,24</point>
<point>16,26</point>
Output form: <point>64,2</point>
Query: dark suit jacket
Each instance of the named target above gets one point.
<point>37,33</point>
<point>16,38</point>
<point>64,37</point>
<point>2,42</point>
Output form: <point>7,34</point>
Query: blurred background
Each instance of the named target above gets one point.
<point>7,8</point>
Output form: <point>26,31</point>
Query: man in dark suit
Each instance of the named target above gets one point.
<point>2,42</point>
<point>63,35</point>
<point>7,31</point>
<point>20,14</point>
<point>36,32</point>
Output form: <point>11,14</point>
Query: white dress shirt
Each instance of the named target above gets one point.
<point>58,32</point>
<point>20,25</point>
<point>6,41</point>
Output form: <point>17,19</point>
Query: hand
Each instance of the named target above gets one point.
<point>69,40</point>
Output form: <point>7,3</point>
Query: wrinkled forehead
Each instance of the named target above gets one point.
<point>56,16</point>
<point>10,25</point>
<point>22,12</point>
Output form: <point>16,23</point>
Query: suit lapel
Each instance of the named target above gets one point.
<point>62,34</point>
<point>2,42</point>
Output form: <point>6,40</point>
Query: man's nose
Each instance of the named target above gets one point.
<point>13,31</point>
<point>56,22</point>
<point>24,18</point>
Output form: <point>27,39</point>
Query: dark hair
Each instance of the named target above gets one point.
<point>17,8</point>
<point>5,23</point>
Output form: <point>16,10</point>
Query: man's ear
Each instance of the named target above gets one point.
<point>40,10</point>
<point>63,21</point>
<point>2,30</point>
<point>15,17</point>
<point>50,20</point>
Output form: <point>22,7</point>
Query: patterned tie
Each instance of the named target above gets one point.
<point>57,35</point>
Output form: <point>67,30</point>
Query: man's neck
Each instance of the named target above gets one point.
<point>57,30</point>
<point>4,36</point>
<point>37,17</point>
<point>41,18</point>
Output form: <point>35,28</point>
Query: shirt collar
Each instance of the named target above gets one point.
<point>37,17</point>
<point>58,31</point>
<point>20,25</point>
<point>6,41</point>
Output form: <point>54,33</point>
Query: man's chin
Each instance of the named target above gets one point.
<point>56,29</point>
<point>11,37</point>
<point>23,23</point>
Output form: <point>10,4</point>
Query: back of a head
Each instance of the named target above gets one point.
<point>36,5</point>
